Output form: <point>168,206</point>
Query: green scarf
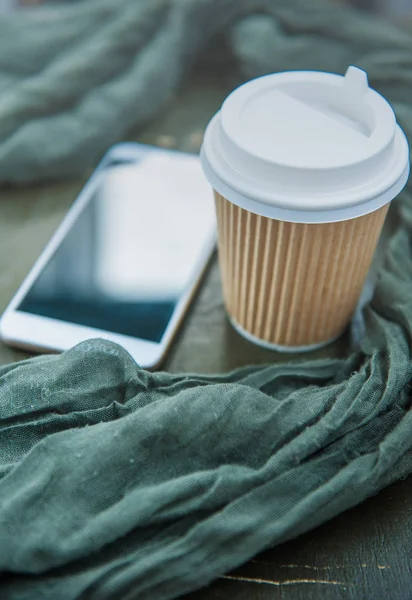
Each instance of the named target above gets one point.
<point>118,483</point>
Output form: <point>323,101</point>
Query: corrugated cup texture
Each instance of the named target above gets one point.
<point>293,284</point>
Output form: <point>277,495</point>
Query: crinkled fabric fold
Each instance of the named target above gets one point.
<point>75,78</point>
<point>118,483</point>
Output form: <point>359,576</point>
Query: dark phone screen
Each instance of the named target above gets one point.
<point>132,251</point>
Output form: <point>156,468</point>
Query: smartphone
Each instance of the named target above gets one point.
<point>126,260</point>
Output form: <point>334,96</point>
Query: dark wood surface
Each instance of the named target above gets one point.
<point>365,553</point>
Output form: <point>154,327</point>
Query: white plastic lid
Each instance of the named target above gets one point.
<point>306,146</point>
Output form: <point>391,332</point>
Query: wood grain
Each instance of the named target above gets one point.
<point>367,550</point>
<point>364,554</point>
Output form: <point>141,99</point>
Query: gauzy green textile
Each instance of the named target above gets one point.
<point>118,483</point>
<point>75,78</point>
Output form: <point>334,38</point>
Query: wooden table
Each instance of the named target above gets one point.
<point>365,553</point>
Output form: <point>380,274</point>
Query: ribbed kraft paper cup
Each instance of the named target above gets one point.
<point>303,166</point>
<point>279,284</point>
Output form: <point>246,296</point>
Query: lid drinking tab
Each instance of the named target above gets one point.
<point>356,81</point>
<point>307,141</point>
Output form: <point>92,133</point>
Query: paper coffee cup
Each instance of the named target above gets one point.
<point>304,166</point>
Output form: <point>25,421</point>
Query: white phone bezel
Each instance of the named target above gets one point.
<point>36,332</point>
